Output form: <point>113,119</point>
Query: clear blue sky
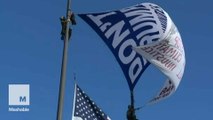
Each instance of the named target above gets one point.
<point>31,51</point>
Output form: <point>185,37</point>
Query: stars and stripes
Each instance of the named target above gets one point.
<point>86,109</point>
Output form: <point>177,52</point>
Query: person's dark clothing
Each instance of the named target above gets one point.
<point>63,28</point>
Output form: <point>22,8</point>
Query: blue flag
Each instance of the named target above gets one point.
<point>124,29</point>
<point>86,109</point>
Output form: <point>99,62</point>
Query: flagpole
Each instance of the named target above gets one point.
<point>132,98</point>
<point>64,65</point>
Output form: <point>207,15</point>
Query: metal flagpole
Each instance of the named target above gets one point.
<point>64,64</point>
<point>132,98</point>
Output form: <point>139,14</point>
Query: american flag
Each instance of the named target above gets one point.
<point>84,108</point>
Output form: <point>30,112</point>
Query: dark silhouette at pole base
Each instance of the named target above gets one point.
<point>131,113</point>
<point>131,109</point>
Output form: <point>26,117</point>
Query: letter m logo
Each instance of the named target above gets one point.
<point>22,99</point>
<point>19,94</point>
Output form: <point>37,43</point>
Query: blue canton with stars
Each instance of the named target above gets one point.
<point>85,108</point>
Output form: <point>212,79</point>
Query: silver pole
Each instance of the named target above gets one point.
<point>64,66</point>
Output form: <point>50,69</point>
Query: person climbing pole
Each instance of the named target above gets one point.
<point>64,21</point>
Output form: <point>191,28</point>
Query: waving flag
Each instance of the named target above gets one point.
<point>149,30</point>
<point>124,29</point>
<point>167,55</point>
<point>84,108</point>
